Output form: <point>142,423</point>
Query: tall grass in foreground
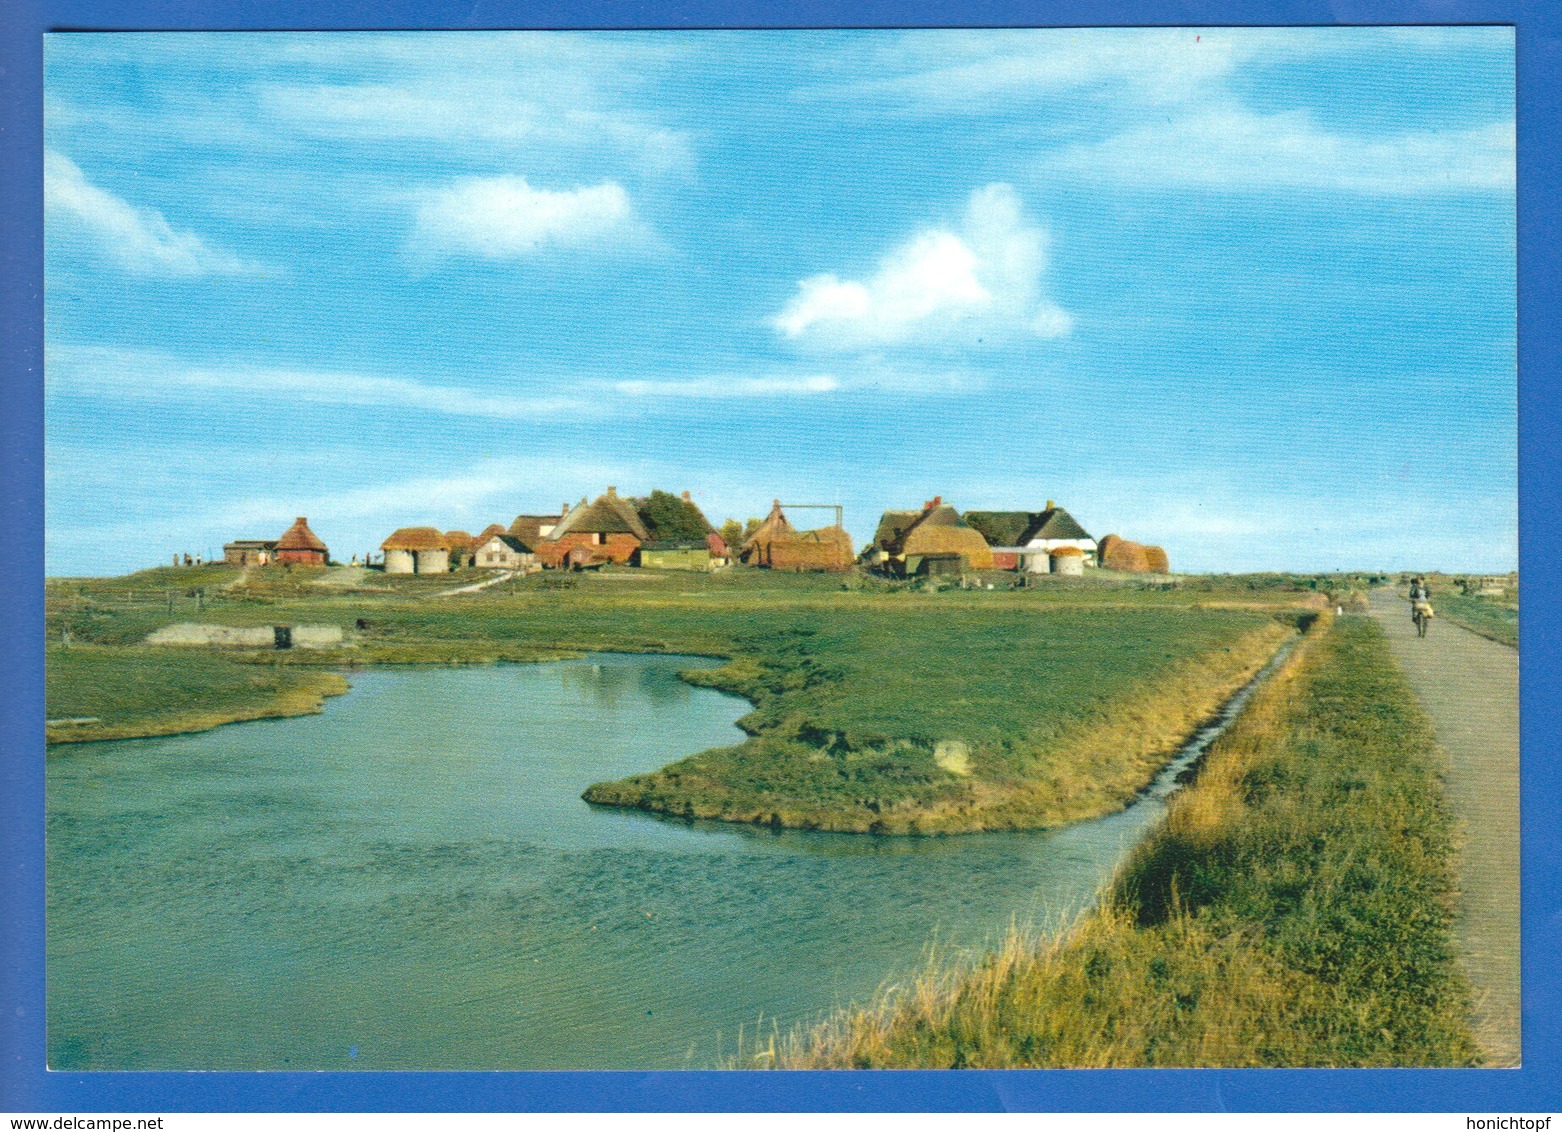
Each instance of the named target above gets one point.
<point>1293,910</point>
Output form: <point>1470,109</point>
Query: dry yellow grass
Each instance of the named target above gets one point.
<point>1320,936</point>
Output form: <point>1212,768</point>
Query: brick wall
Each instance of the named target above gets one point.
<point>617,547</point>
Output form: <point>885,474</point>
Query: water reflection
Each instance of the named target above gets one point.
<point>607,678</point>
<point>412,876</point>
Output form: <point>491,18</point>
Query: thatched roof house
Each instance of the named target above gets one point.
<point>904,538</point>
<point>777,545</point>
<point>610,513</point>
<point>416,550</point>
<point>1027,537</point>
<point>606,530</point>
<point>1001,528</point>
<point>755,550</point>
<point>301,546</point>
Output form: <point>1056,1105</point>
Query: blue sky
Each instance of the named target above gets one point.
<point>1246,293</point>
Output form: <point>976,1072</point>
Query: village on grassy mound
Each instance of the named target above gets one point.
<point>670,532</point>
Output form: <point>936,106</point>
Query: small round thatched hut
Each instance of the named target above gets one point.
<point>416,550</point>
<point>1156,561</point>
<point>1068,560</point>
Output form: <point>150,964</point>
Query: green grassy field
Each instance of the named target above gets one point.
<point>145,691</point>
<point>1295,909</point>
<point>1493,617</point>
<point>875,708</point>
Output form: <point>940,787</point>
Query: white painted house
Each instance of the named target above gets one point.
<point>504,552</point>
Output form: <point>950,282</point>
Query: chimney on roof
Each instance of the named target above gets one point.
<point>686,498</point>
<point>611,490</point>
<point>932,503</point>
<point>302,521</point>
<point>1051,505</point>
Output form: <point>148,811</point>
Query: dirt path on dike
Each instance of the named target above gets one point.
<point>1470,687</point>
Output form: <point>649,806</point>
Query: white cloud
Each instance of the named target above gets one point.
<point>139,239</point>
<point>992,71</point>
<point>504,217</point>
<point>144,375</point>
<point>1230,147</point>
<point>720,387</point>
<point>472,111</point>
<point>984,280</point>
<point>980,71</point>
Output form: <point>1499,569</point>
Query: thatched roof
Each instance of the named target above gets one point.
<point>459,540</point>
<point>300,537</point>
<point>1001,528</point>
<point>528,528</point>
<point>1053,523</point>
<point>965,541</point>
<point>828,548</point>
<point>1066,552</point>
<point>608,514</point>
<point>775,526</point>
<point>416,538</point>
<point>488,532</point>
<point>1016,528</point>
<point>1156,561</point>
<point>895,526</point>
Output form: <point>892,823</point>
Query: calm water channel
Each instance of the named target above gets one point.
<point>411,881</point>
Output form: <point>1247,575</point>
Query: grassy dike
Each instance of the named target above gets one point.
<point>1294,909</point>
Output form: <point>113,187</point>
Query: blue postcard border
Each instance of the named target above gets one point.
<point>26,1086</point>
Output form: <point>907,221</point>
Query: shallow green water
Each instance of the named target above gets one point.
<point>410,881</point>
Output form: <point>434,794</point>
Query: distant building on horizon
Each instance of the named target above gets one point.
<point>935,539</point>
<point>249,551</point>
<point>300,546</point>
<point>1026,540</point>
<point>607,529</point>
<point>416,550</point>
